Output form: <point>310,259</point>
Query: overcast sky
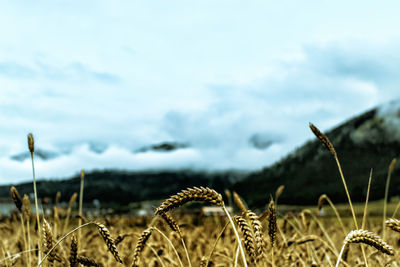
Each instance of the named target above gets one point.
<point>212,74</point>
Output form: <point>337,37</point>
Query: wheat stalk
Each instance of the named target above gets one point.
<point>80,204</point>
<point>175,227</point>
<point>325,141</point>
<point>390,171</point>
<point>27,214</point>
<point>70,205</point>
<point>31,146</point>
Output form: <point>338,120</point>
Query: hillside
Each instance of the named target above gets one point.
<point>121,188</point>
<point>370,140</point>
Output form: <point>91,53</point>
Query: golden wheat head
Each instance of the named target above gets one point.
<point>73,254</point>
<point>393,224</point>
<point>191,194</point>
<point>238,201</point>
<point>257,229</point>
<point>323,138</point>
<point>85,261</point>
<point>27,206</point>
<point>105,233</point>
<point>16,198</point>
<point>369,238</point>
<point>321,202</point>
<point>247,235</point>
<point>31,143</point>
<point>140,245</point>
<point>272,227</point>
<point>171,223</point>
<point>48,241</point>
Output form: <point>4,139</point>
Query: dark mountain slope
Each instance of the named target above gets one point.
<point>364,142</point>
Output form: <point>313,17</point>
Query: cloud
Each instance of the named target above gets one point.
<point>73,72</point>
<point>97,85</point>
<point>16,71</point>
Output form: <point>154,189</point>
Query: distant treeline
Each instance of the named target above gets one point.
<point>121,187</point>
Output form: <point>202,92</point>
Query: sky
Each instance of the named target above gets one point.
<point>216,75</point>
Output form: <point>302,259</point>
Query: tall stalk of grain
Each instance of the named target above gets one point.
<point>80,204</point>
<point>27,213</point>
<point>31,146</point>
<point>328,145</point>
<point>391,168</point>
<point>18,203</point>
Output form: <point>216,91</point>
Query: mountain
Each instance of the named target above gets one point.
<point>370,140</point>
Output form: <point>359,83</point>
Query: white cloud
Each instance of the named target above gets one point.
<point>209,73</point>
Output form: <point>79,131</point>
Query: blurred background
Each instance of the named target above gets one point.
<point>206,88</point>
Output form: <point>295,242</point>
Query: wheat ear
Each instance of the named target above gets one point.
<point>73,254</point>
<point>105,233</point>
<point>278,193</point>
<point>257,229</point>
<point>247,235</point>
<point>272,226</point>
<point>393,224</point>
<point>191,194</point>
<point>18,203</point>
<point>238,201</point>
<point>325,141</point>
<point>85,261</point>
<point>48,242</point>
<point>140,245</point>
<point>368,238</point>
